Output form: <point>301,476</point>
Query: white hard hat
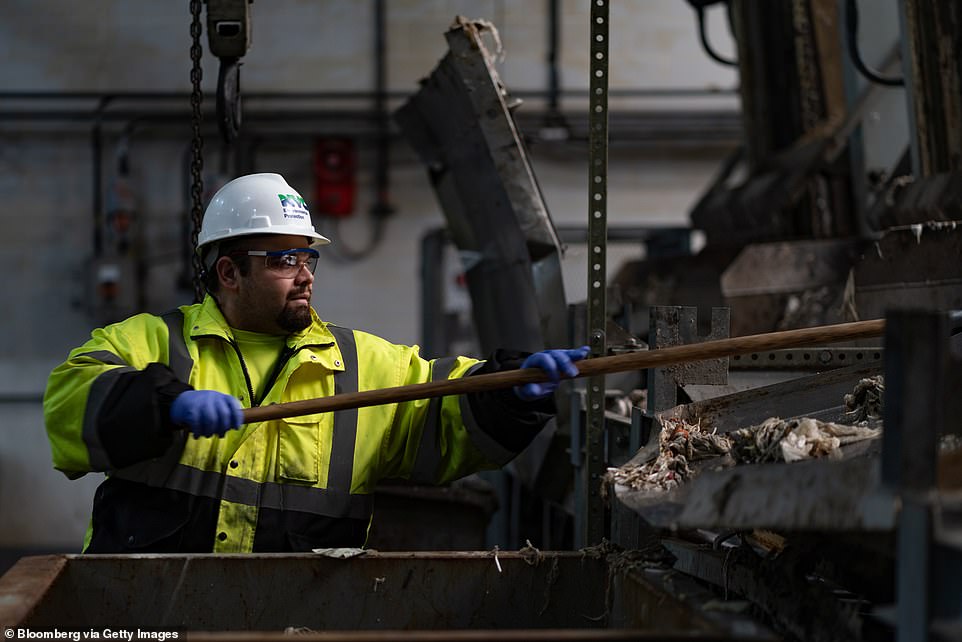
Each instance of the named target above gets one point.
<point>256,204</point>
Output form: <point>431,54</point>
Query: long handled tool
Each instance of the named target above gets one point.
<point>602,365</point>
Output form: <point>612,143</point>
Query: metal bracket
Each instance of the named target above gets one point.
<point>229,38</point>
<point>678,325</point>
<point>228,27</point>
<point>818,359</point>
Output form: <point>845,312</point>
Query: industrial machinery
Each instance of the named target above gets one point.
<point>806,224</point>
<point>804,493</point>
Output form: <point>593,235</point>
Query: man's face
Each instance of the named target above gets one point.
<point>270,301</point>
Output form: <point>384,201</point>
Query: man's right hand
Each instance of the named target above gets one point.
<point>206,412</point>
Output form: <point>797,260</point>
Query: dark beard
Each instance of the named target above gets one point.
<point>294,319</point>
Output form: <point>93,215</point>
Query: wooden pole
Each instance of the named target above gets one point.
<point>717,349</point>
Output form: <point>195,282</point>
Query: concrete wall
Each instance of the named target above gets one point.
<point>298,45</point>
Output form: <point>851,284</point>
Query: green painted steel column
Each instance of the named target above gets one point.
<point>594,467</point>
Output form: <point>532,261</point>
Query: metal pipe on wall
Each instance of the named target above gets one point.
<point>715,125</point>
<point>96,148</point>
<point>554,47</point>
<point>360,96</point>
<point>382,206</point>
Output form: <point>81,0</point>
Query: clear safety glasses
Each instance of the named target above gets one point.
<point>285,263</point>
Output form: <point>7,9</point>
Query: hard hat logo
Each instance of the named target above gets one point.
<point>293,205</point>
<point>256,204</point>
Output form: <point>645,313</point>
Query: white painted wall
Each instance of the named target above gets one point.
<point>129,45</point>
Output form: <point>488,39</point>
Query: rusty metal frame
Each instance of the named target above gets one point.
<point>931,39</point>
<point>594,594</point>
<point>673,325</point>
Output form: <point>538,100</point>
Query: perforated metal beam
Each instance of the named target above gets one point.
<point>594,466</point>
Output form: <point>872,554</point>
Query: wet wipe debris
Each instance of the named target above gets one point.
<point>794,439</point>
<point>681,443</point>
<point>866,401</point>
<point>773,440</point>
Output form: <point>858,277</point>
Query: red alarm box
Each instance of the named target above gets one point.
<point>335,181</point>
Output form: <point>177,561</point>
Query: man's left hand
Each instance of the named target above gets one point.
<point>554,363</point>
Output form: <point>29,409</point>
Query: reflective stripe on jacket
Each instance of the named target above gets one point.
<point>106,409</point>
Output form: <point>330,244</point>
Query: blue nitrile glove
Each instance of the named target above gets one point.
<point>206,412</point>
<point>554,363</point>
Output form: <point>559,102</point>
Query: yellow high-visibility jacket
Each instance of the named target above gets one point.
<point>282,485</point>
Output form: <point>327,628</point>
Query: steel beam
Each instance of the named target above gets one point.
<point>597,270</point>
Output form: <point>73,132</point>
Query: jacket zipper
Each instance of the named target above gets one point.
<point>282,360</point>
<point>247,376</point>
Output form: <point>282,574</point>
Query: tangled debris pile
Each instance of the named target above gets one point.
<point>681,443</point>
<point>794,439</point>
<point>949,443</point>
<point>693,443</point>
<point>866,401</point>
<point>773,440</point>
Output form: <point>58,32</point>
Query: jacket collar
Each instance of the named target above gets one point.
<point>206,319</point>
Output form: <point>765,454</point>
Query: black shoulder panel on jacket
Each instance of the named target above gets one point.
<point>513,423</point>
<point>134,422</point>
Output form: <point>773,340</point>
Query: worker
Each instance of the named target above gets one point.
<point>155,403</point>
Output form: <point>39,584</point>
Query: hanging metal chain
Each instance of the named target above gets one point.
<point>197,146</point>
